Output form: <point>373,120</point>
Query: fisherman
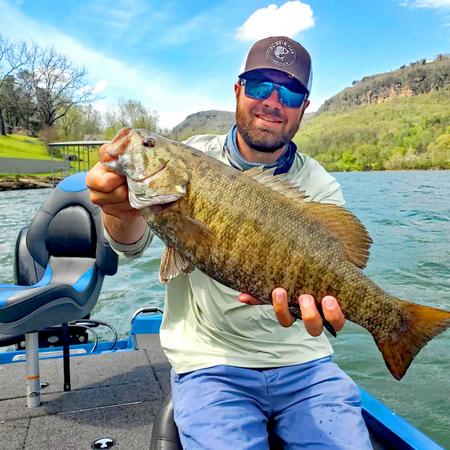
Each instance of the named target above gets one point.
<point>236,373</point>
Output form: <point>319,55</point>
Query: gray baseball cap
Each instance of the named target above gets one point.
<point>282,54</point>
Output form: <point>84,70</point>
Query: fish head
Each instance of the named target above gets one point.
<point>155,173</point>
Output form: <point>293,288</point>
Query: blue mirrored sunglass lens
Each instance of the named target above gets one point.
<point>258,90</point>
<point>262,90</point>
<point>289,98</point>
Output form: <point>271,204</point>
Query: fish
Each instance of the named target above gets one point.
<point>254,231</point>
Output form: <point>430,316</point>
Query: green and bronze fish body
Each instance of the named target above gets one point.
<point>253,231</point>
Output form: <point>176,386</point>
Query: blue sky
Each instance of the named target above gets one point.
<point>179,57</point>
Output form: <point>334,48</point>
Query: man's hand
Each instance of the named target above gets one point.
<point>109,191</point>
<point>310,314</point>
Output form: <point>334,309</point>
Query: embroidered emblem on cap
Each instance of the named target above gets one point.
<point>281,52</point>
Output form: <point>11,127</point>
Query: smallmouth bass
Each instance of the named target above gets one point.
<point>253,232</point>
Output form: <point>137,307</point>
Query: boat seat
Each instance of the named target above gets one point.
<point>60,263</point>
<point>165,432</point>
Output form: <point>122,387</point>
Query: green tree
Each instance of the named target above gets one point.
<point>130,113</point>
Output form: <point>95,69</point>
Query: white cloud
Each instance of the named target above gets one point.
<point>427,3</point>
<point>149,83</point>
<point>100,86</point>
<point>287,20</point>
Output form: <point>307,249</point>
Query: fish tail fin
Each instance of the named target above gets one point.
<point>421,324</point>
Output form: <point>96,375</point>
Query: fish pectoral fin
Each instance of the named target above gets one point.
<point>345,226</point>
<point>192,230</point>
<point>192,233</point>
<point>172,264</point>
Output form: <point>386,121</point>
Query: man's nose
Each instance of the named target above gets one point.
<point>273,100</point>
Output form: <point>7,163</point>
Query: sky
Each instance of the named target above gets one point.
<point>179,57</point>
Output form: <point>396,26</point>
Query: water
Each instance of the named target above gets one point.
<point>408,217</point>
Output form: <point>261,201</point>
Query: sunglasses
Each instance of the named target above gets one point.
<point>260,90</point>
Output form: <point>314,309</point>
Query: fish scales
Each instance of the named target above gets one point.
<point>248,232</point>
<point>258,239</point>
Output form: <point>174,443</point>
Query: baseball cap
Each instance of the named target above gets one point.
<point>282,54</point>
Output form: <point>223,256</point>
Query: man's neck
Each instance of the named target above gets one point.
<point>254,156</point>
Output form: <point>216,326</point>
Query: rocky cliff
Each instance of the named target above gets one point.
<point>417,78</point>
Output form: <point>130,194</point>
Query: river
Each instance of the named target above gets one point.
<point>407,215</point>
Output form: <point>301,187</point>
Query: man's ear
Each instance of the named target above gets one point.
<point>306,104</point>
<point>237,88</point>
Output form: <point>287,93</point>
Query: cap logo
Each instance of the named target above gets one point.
<point>281,52</point>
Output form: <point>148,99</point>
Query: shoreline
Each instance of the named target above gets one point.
<point>17,182</point>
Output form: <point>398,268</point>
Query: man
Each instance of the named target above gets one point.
<point>236,371</point>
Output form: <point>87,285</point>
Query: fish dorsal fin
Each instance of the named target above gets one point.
<point>345,226</point>
<point>172,264</point>
<point>279,183</point>
<point>339,221</point>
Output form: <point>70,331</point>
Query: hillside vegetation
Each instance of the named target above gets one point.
<point>402,133</point>
<point>394,120</point>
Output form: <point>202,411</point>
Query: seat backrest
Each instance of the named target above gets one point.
<point>68,224</point>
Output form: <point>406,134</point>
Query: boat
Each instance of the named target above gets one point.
<point>81,392</point>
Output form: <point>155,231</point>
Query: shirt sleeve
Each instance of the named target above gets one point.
<point>130,251</point>
<point>320,185</point>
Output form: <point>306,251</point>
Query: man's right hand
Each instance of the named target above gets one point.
<point>109,191</point>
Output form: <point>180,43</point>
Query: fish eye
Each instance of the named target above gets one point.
<point>148,142</point>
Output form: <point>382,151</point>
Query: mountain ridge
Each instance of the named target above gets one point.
<point>420,77</point>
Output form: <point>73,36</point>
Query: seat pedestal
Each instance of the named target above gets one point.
<point>32,364</point>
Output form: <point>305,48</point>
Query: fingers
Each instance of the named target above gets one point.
<point>109,191</point>
<point>249,299</point>
<point>333,312</point>
<point>312,318</point>
<point>281,308</point>
<point>101,179</point>
<point>310,315</point>
<point>279,302</point>
<point>116,196</point>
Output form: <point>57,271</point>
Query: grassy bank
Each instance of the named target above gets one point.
<point>25,147</point>
<point>17,146</point>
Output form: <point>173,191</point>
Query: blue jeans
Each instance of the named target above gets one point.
<point>313,405</point>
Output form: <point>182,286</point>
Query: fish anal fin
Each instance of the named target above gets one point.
<point>172,264</point>
<point>345,226</point>
<point>423,324</point>
<point>279,183</point>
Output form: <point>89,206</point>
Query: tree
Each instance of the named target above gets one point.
<point>57,85</point>
<point>130,113</point>
<point>80,123</point>
<point>19,107</point>
<point>12,58</point>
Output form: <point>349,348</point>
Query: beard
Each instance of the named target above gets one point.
<point>263,139</point>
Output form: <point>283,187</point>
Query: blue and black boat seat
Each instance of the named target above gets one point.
<point>60,262</point>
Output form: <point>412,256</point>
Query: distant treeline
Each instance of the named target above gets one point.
<point>402,133</point>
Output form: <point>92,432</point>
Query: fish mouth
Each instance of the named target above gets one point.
<point>156,203</point>
<point>148,178</point>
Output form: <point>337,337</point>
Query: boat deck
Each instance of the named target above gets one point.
<point>113,395</point>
